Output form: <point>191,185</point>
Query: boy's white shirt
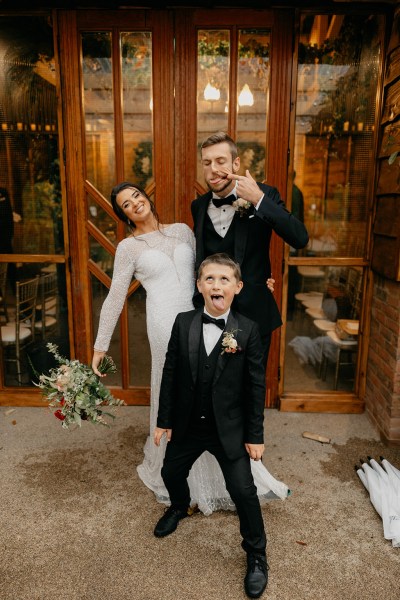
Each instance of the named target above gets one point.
<point>212,333</point>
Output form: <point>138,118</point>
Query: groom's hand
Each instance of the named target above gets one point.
<point>255,451</point>
<point>247,187</point>
<point>158,433</point>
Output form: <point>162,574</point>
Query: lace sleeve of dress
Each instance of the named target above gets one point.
<point>124,268</point>
<point>189,236</point>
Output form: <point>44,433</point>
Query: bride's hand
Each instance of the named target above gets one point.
<point>96,360</point>
<point>159,432</point>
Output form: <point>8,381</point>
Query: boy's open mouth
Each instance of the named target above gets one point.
<point>218,301</point>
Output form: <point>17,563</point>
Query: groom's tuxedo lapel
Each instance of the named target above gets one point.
<point>195,332</point>
<point>231,325</point>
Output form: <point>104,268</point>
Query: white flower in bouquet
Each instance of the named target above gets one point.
<point>76,392</point>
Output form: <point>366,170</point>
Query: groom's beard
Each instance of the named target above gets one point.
<point>219,191</point>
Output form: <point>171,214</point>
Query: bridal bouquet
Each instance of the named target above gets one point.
<point>76,392</point>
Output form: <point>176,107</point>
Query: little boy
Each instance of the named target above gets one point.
<point>212,398</point>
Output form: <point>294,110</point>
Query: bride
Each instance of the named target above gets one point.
<point>162,258</point>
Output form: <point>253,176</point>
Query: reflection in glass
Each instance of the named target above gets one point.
<point>213,47</point>
<point>139,349</point>
<point>253,81</point>
<point>322,328</point>
<point>101,256</point>
<point>137,107</point>
<point>102,220</point>
<point>335,115</point>
<point>29,166</point>
<point>99,110</point>
<point>23,354</point>
<point>99,294</point>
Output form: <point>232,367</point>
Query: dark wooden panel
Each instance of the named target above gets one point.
<point>393,66</point>
<point>387,218</point>
<point>391,105</point>
<point>385,259</point>
<point>390,142</point>
<point>389,177</point>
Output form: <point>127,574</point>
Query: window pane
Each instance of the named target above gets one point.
<point>253,80</point>
<point>99,293</point>
<point>30,191</point>
<point>335,114</point>
<point>213,47</point>
<point>33,312</point>
<point>102,220</point>
<point>322,327</point>
<point>139,349</point>
<point>99,110</point>
<point>137,107</point>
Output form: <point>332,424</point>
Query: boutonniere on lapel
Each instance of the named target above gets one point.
<point>229,343</point>
<point>242,206</point>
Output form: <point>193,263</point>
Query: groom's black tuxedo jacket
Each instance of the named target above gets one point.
<point>238,387</point>
<point>252,236</point>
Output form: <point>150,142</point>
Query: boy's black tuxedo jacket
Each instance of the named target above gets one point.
<point>252,241</point>
<point>238,390</point>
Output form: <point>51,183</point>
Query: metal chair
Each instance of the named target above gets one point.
<point>3,283</point>
<point>21,333</point>
<point>47,308</point>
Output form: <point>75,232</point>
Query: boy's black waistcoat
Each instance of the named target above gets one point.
<point>236,392</point>
<point>203,414</point>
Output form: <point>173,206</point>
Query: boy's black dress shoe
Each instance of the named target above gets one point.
<point>169,521</point>
<point>256,578</point>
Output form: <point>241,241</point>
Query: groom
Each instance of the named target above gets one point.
<point>212,399</point>
<point>219,227</point>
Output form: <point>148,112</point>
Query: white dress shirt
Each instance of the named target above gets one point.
<point>221,217</point>
<point>211,332</point>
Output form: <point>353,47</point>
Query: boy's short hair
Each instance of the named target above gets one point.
<point>221,258</point>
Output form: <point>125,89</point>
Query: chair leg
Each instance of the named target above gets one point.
<point>337,369</point>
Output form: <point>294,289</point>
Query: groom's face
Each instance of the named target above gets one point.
<point>218,286</point>
<point>217,163</point>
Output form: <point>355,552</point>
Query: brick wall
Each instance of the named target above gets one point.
<point>382,397</point>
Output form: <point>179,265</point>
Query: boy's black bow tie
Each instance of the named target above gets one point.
<point>218,322</point>
<point>218,202</point>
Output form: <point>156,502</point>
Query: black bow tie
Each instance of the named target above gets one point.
<point>218,202</point>
<point>218,322</point>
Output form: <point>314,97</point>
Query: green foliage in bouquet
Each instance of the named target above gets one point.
<point>76,392</point>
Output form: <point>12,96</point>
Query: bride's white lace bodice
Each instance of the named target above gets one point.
<point>163,262</point>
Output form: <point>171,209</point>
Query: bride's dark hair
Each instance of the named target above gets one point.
<point>118,210</point>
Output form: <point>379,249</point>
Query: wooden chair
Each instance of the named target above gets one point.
<point>21,333</point>
<point>3,283</point>
<point>47,307</point>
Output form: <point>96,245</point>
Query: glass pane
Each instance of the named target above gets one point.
<point>213,47</point>
<point>99,293</point>
<point>101,256</point>
<point>137,107</point>
<point>102,220</point>
<point>139,349</point>
<point>98,110</point>
<point>335,114</point>
<point>253,80</point>
<point>27,326</point>
<point>30,191</point>
<point>322,327</point>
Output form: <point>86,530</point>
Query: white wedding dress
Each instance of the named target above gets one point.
<point>163,261</point>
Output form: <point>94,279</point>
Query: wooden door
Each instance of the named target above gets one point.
<point>135,108</point>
